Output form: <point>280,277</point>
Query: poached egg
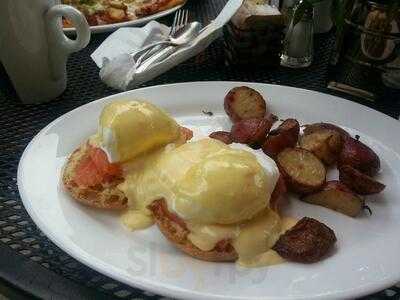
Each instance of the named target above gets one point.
<point>130,128</point>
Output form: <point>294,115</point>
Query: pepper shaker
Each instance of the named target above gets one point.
<point>298,44</point>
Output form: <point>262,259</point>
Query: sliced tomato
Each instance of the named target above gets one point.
<point>96,169</point>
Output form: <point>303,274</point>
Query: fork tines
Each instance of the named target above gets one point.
<point>181,19</point>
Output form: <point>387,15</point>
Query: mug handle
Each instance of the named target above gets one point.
<point>60,46</point>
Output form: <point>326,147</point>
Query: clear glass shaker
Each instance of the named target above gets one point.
<point>287,10</point>
<point>298,45</point>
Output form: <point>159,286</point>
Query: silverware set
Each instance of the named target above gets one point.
<point>182,32</point>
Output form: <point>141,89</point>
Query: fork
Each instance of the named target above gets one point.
<point>180,20</point>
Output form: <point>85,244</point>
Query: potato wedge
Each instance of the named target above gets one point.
<point>338,197</point>
<point>311,128</point>
<point>278,197</point>
<point>223,136</point>
<point>251,131</point>
<point>308,241</point>
<point>359,156</point>
<point>271,118</point>
<point>303,172</point>
<point>325,144</point>
<point>285,136</point>
<point>243,103</point>
<point>358,182</point>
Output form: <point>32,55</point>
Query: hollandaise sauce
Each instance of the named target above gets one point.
<point>221,192</point>
<point>130,128</point>
<point>205,182</point>
<point>252,240</point>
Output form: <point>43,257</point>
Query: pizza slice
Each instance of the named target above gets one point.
<point>100,12</point>
<point>150,7</point>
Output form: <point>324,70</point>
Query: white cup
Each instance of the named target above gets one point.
<point>34,49</point>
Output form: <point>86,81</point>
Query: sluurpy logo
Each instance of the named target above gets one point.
<point>162,261</point>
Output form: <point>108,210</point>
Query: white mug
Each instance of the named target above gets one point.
<point>34,49</point>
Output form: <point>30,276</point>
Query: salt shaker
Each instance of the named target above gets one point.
<point>322,14</point>
<point>298,43</point>
<point>287,9</point>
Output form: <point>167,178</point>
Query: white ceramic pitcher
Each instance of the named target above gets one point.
<point>34,49</point>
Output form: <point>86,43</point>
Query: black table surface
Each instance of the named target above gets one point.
<point>30,264</point>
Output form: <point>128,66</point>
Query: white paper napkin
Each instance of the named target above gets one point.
<point>113,55</point>
<point>117,66</point>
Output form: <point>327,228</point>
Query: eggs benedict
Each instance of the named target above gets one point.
<point>126,130</point>
<point>210,199</point>
<point>219,196</point>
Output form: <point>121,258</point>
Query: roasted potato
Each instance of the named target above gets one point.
<point>325,144</point>
<point>308,241</point>
<point>338,197</point>
<point>271,117</point>
<point>303,172</point>
<point>359,156</point>
<point>278,196</point>
<point>251,131</point>
<point>311,128</point>
<point>358,182</point>
<point>285,136</point>
<point>243,103</point>
<point>223,136</point>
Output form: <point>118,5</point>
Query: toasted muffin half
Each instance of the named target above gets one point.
<point>89,181</point>
<point>175,230</point>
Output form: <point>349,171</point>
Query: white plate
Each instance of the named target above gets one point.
<point>367,258</point>
<point>133,23</point>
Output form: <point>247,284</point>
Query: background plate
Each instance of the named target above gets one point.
<point>367,255</point>
<point>138,22</point>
